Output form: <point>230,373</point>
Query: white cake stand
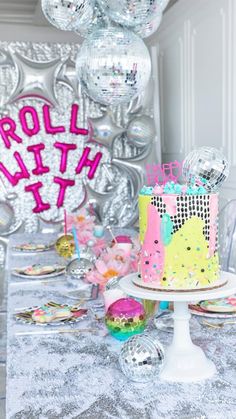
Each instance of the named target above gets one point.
<point>184,361</point>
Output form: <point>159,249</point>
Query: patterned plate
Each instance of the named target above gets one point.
<point>23,273</point>
<point>33,247</point>
<point>198,311</point>
<point>77,314</point>
<point>221,305</point>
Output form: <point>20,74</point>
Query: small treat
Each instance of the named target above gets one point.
<point>39,270</point>
<point>46,314</point>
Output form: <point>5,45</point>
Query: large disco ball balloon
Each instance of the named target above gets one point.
<point>113,65</point>
<point>99,20</point>
<point>206,166</point>
<point>68,15</point>
<point>146,29</point>
<point>131,12</point>
<point>141,358</point>
<point>141,131</point>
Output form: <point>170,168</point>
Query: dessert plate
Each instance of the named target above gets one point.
<point>55,313</point>
<point>221,305</point>
<point>33,247</point>
<point>39,271</point>
<point>197,310</point>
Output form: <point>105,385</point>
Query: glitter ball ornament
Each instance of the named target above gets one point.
<point>124,318</point>
<point>68,15</point>
<point>65,246</point>
<point>78,268</point>
<point>147,29</point>
<point>113,65</point>
<point>141,358</point>
<point>131,12</point>
<point>206,166</point>
<point>141,131</point>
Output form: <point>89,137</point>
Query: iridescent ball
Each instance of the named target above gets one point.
<point>131,12</point>
<point>124,318</point>
<point>141,358</point>
<point>65,246</point>
<point>7,217</point>
<point>141,130</point>
<point>206,166</point>
<point>68,15</point>
<point>113,65</point>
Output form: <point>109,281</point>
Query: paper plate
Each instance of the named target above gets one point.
<point>59,270</point>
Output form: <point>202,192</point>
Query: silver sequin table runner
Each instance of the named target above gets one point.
<point>71,376</point>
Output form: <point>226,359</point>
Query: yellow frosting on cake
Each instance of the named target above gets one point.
<point>187,261</point>
<point>144,200</point>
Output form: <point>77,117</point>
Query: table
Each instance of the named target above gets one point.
<point>77,376</point>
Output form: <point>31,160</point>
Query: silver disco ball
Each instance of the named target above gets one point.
<point>141,358</point>
<point>113,65</point>
<point>206,166</point>
<point>146,29</point>
<point>78,268</point>
<point>7,217</point>
<point>68,15</point>
<point>130,13</point>
<point>99,20</point>
<point>141,131</point>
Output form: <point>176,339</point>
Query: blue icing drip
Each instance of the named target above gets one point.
<point>166,229</point>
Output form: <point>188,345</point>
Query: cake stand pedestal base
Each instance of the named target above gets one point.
<point>184,361</point>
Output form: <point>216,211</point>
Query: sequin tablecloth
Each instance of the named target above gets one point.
<point>70,376</point>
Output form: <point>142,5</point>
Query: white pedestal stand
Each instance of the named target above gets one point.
<point>184,361</point>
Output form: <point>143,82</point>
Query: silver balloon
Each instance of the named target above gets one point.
<point>206,166</point>
<point>68,77</point>
<point>68,15</point>
<point>7,217</point>
<point>113,65</point>
<point>35,79</point>
<point>104,130</point>
<point>141,358</point>
<point>96,200</point>
<point>133,172</point>
<point>146,29</point>
<point>5,59</point>
<point>141,131</point>
<point>98,21</point>
<point>131,13</point>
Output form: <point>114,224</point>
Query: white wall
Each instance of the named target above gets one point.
<point>197,62</point>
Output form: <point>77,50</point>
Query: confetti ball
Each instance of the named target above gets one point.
<point>125,318</point>
<point>65,246</point>
<point>141,358</point>
<point>113,65</point>
<point>7,217</point>
<point>78,268</point>
<point>68,15</point>
<point>206,166</point>
<point>141,131</point>
<point>131,12</point>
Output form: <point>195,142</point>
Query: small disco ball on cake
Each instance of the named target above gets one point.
<point>206,166</point>
<point>141,358</point>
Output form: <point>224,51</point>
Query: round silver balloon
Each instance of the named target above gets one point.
<point>146,29</point>
<point>206,166</point>
<point>141,131</point>
<point>7,217</point>
<point>131,12</point>
<point>104,130</point>
<point>113,65</point>
<point>141,358</point>
<point>68,15</point>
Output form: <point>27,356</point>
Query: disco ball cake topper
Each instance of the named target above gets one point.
<point>141,358</point>
<point>206,166</point>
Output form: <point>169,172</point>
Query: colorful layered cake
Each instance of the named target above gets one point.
<point>179,237</point>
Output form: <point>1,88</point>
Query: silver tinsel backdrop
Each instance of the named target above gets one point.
<point>122,169</point>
